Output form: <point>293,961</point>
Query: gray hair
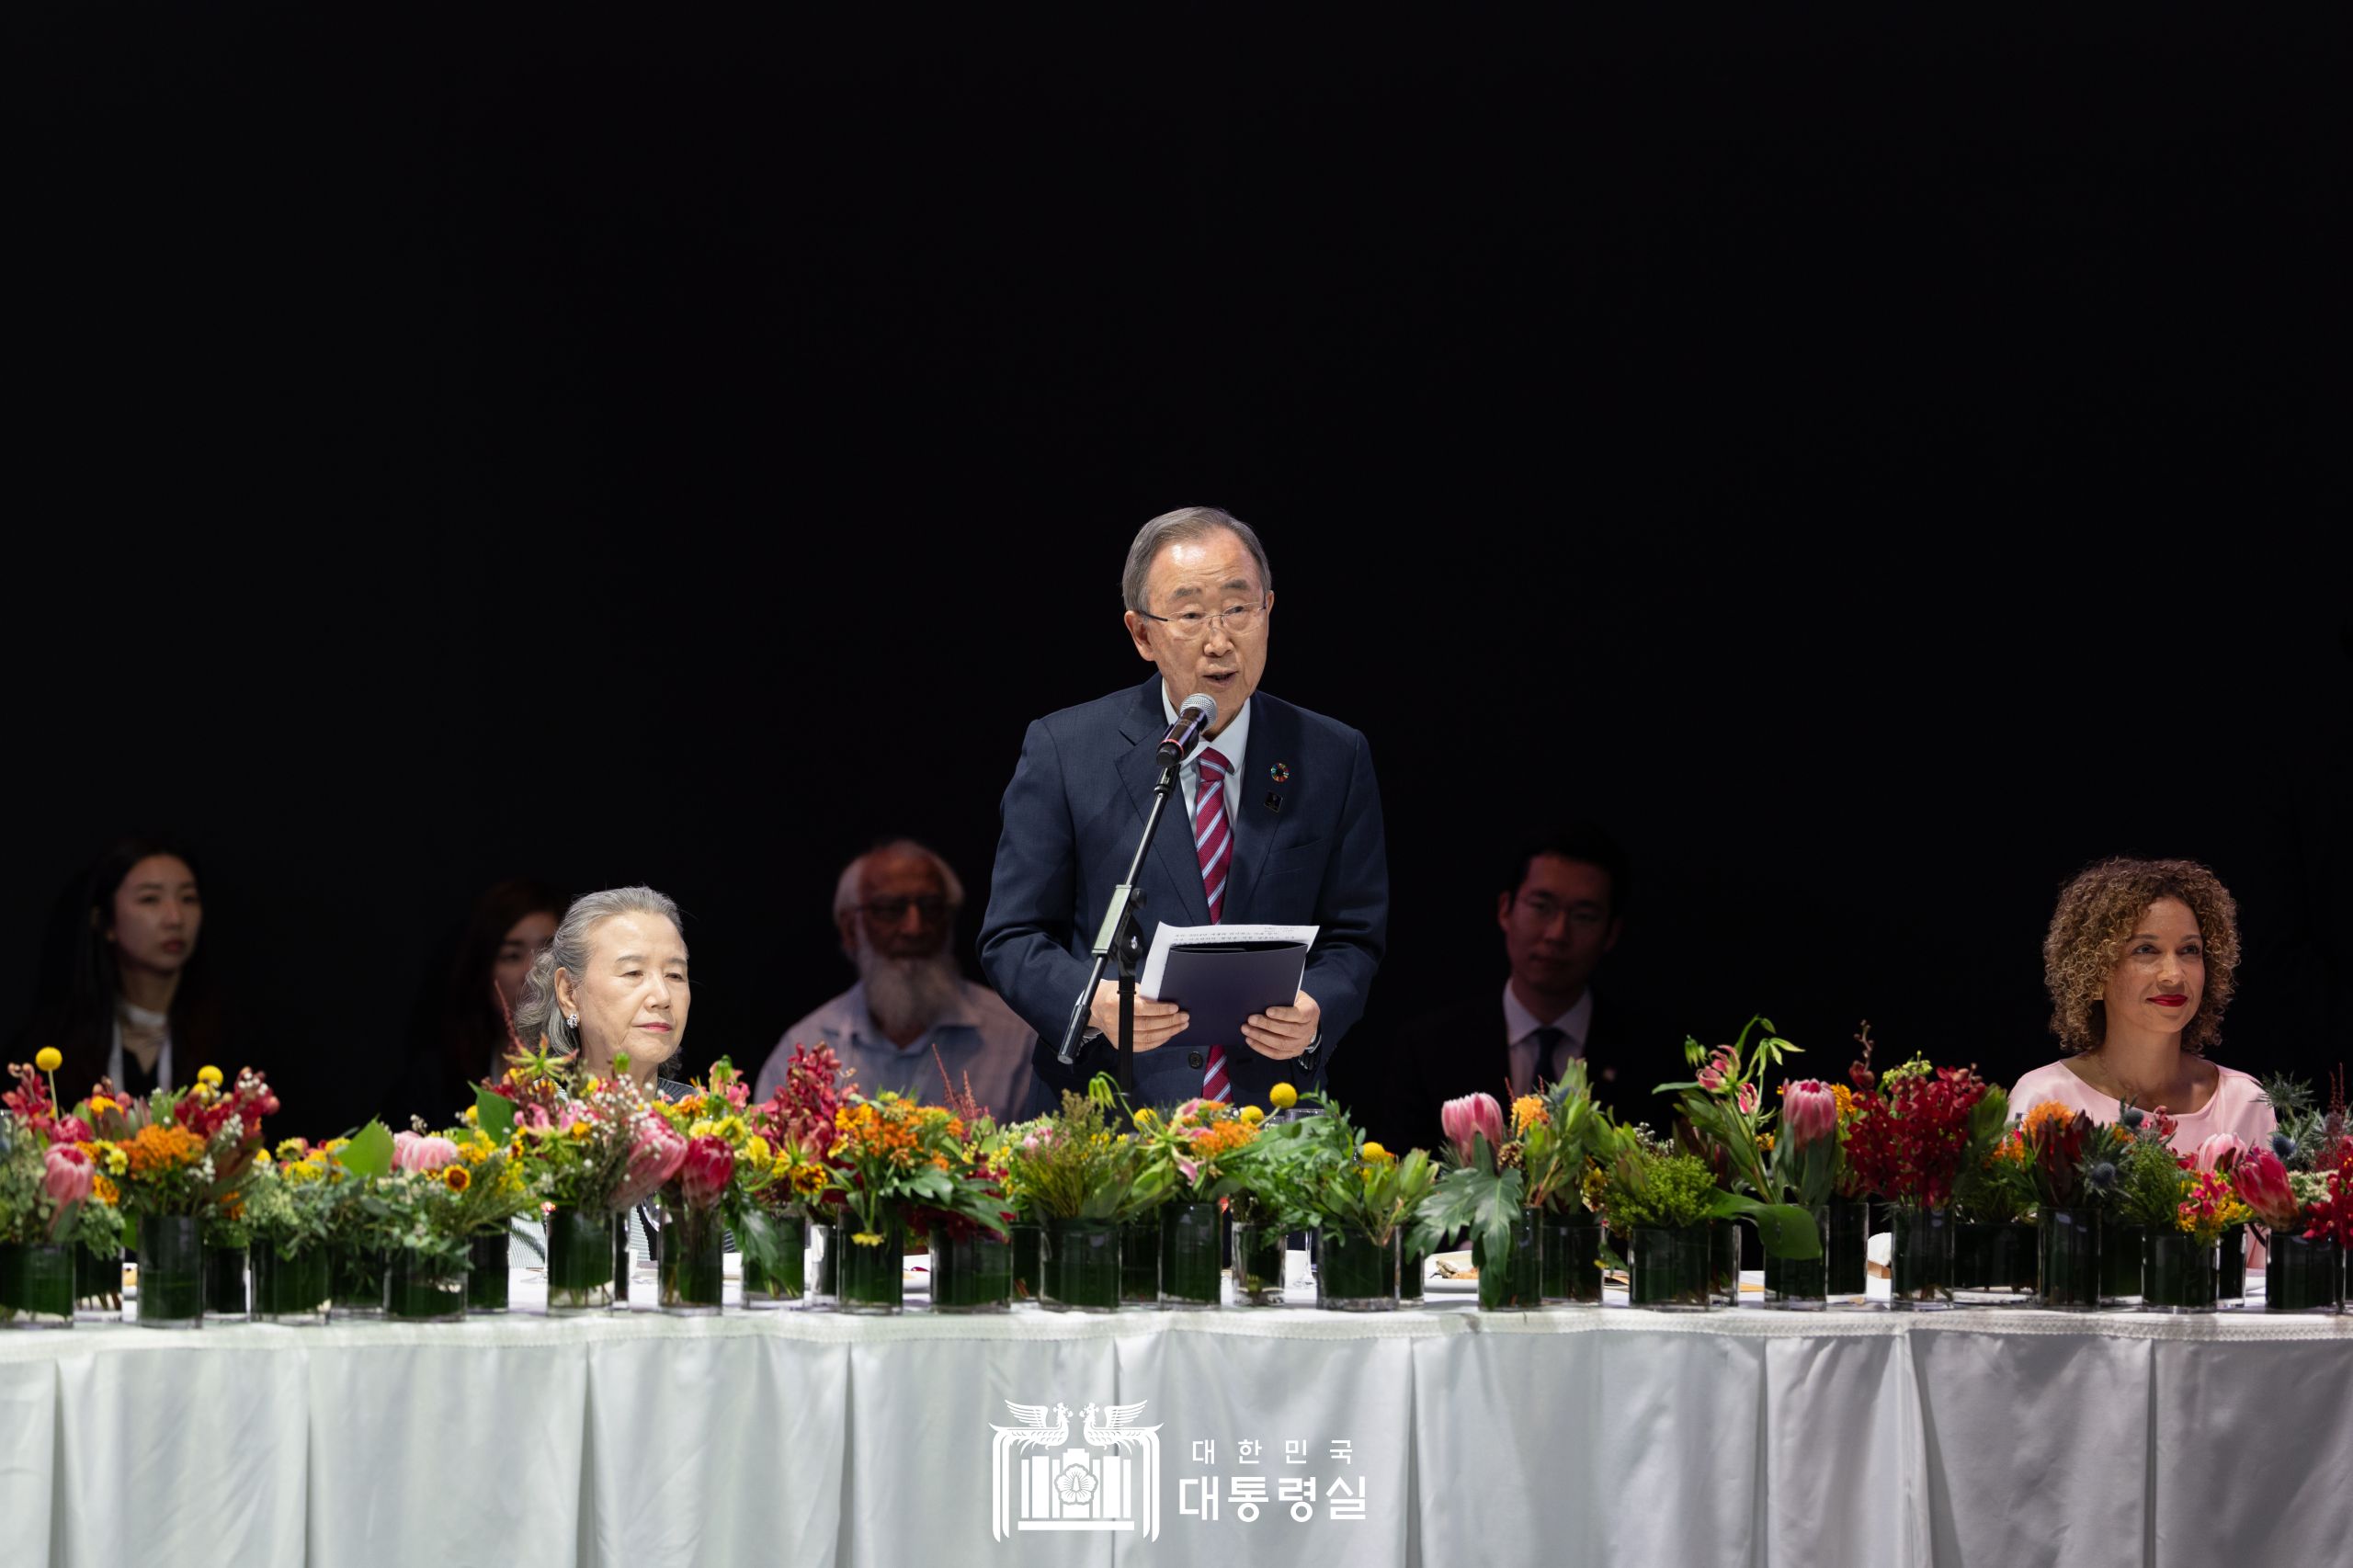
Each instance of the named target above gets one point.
<point>1176,527</point>
<point>568,950</point>
<point>848,892</point>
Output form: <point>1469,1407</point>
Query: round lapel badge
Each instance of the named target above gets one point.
<point>1280,772</point>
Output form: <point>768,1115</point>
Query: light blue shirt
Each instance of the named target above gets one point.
<point>977,1037</point>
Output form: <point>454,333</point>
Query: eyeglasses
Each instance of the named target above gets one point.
<point>1191,625</point>
<point>890,910</point>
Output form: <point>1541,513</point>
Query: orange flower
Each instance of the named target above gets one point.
<point>2044,1120</point>
<point>160,1147</point>
<point>456,1177</point>
<point>106,1191</point>
<point>1528,1111</point>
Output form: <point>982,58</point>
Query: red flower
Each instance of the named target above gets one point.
<point>1908,1146</point>
<point>708,1166</point>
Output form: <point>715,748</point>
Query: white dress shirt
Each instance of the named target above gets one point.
<point>1231,743</point>
<point>1519,1033</point>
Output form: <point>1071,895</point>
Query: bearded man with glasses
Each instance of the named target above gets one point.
<point>912,1013</point>
<point>1279,824</point>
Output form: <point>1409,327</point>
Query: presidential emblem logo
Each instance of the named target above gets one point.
<point>1038,1479</point>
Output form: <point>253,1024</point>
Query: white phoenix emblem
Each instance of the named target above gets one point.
<point>1078,1478</point>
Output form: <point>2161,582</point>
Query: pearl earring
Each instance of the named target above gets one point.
<point>572,1020</point>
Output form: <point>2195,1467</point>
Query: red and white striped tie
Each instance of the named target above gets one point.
<point>1213,846</point>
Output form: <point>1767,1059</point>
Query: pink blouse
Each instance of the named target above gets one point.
<point>2237,1106</point>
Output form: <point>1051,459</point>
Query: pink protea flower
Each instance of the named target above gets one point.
<point>2261,1182</point>
<point>1470,1117</point>
<point>420,1152</point>
<point>1809,1111</point>
<point>705,1171</point>
<point>2221,1152</point>
<point>654,1159</point>
<point>66,1174</point>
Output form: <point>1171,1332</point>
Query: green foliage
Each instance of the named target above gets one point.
<point>2150,1184</point>
<point>369,1153</point>
<point>1643,1187</point>
<point>1345,1187</point>
<point>1071,1165</point>
<point>1479,1196</point>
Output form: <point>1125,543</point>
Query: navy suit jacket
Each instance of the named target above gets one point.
<point>1308,849</point>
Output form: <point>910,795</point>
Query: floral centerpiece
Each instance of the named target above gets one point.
<point>889,1155</point>
<point>1201,1151</point>
<point>1909,1142</point>
<point>1660,1203</point>
<point>796,1123</point>
<point>1723,1118</point>
<point>2071,1160</point>
<point>2300,1189</point>
<point>1363,1200</point>
<point>1083,1181</point>
<point>290,1202</point>
<point>1995,1242</point>
<point>1271,1198</point>
<point>589,1153</point>
<point>1482,1188</point>
<point>185,1155</point>
<point>715,1191</point>
<point>56,1200</point>
<point>971,1262</point>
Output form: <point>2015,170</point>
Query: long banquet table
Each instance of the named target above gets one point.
<point>1595,1434</point>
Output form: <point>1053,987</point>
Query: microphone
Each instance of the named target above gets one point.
<point>1196,719</point>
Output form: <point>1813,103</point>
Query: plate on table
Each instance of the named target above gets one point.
<point>1450,1274</point>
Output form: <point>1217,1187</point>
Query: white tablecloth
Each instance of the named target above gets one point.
<point>1603,1435</point>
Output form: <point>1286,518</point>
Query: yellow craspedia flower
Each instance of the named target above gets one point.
<point>261,1159</point>
<point>457,1178</point>
<point>209,1076</point>
<point>580,1129</point>
<point>472,1117</point>
<point>1282,1096</point>
<point>1373,1150</point>
<point>1253,1115</point>
<point>48,1059</point>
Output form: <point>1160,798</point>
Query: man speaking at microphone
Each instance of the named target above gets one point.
<point>1281,825</point>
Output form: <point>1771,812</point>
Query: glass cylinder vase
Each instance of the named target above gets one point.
<point>1355,1273</point>
<point>290,1290</point>
<point>423,1287</point>
<point>1082,1266</point>
<point>224,1284</point>
<point>821,1279</point>
<point>869,1275</point>
<point>2067,1246</point>
<point>1568,1252</point>
<point>693,1264</point>
<point>1993,1265</point>
<point>1411,1264</point>
<point>1139,1260</point>
<point>2300,1276</point>
<point>1192,1253</point>
<point>786,1232</point>
<point>354,1281</point>
<point>171,1271</point>
<point>580,1260</point>
<point>1258,1254</point>
<point>2177,1272</point>
<point>1845,1252</point>
<point>973,1272</point>
<point>98,1285</point>
<point>1514,1283</point>
<point>37,1284</point>
<point>1920,1261</point>
<point>1801,1285</point>
<point>1029,1263</point>
<point>2120,1246</point>
<point>2229,1269</point>
<point>487,1275</point>
<point>1668,1268</point>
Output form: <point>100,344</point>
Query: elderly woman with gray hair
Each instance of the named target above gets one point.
<point>612,984</point>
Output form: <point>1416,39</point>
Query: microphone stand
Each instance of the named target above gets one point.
<point>1121,936</point>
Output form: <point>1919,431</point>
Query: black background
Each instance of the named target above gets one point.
<point>1877,467</point>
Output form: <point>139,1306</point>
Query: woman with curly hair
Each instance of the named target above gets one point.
<point>2140,961</point>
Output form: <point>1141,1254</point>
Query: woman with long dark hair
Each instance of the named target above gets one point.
<point>123,993</point>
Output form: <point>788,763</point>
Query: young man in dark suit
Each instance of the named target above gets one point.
<point>1561,914</point>
<point>1280,823</point>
